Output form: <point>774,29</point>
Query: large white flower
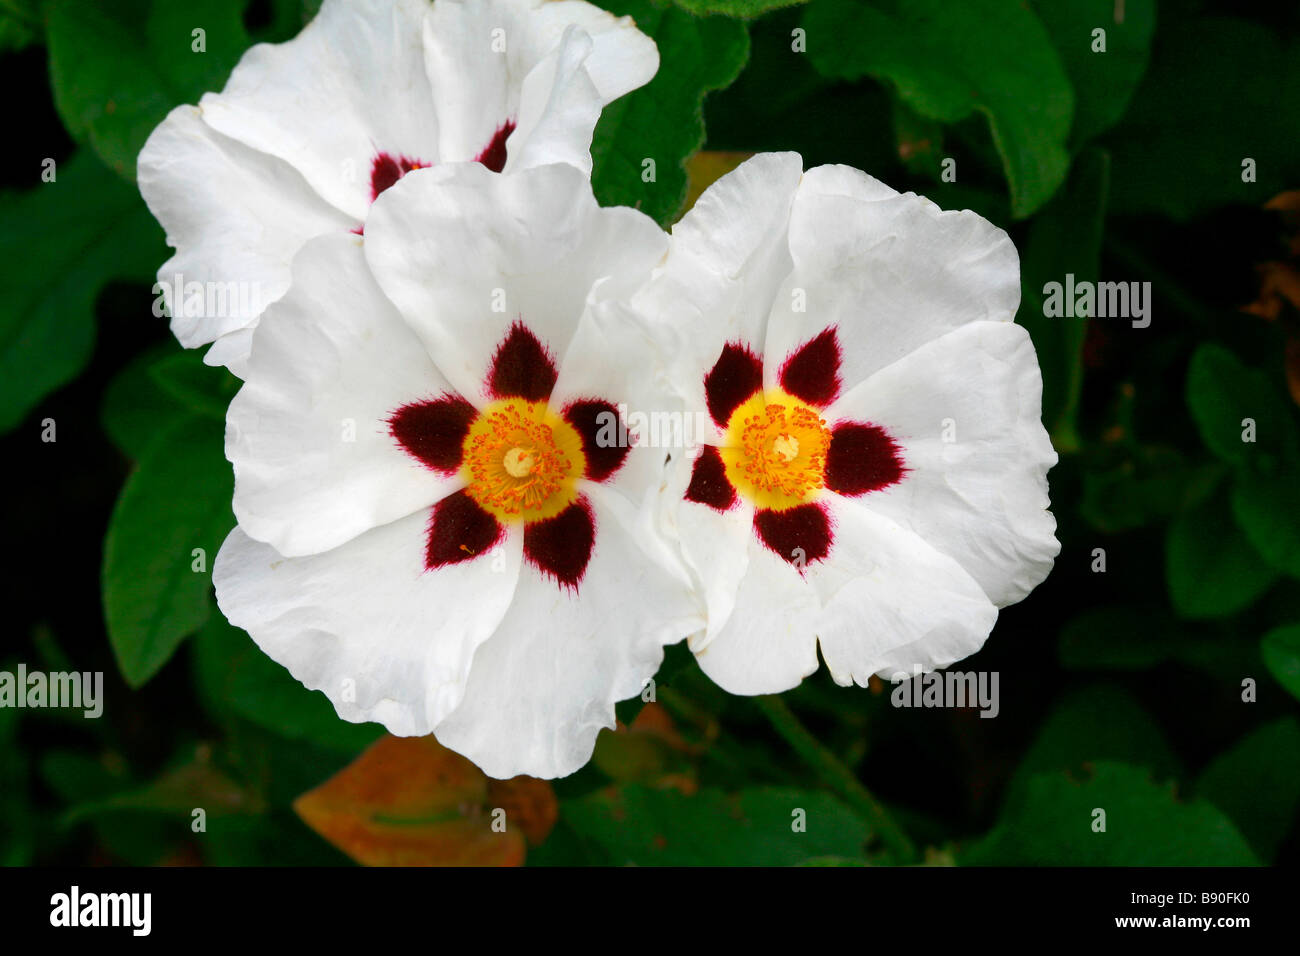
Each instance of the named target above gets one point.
<point>432,529</point>
<point>307,133</point>
<point>875,480</point>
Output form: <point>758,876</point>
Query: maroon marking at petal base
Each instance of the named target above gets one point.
<point>862,458</point>
<point>709,484</point>
<point>603,433</point>
<point>812,372</point>
<point>459,530</point>
<point>494,153</point>
<point>560,547</point>
<point>801,534</point>
<point>432,432</point>
<point>521,367</point>
<point>735,376</point>
<point>386,170</point>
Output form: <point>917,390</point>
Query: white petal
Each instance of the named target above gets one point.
<point>465,253</point>
<point>727,257</point>
<point>490,61</point>
<point>980,498</point>
<point>315,464</point>
<point>891,273</point>
<point>545,684</point>
<point>890,602</point>
<point>350,85</point>
<point>622,59</point>
<point>768,643</point>
<point>235,217</point>
<point>365,623</point>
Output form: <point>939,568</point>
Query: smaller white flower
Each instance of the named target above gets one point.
<point>439,526</point>
<point>306,134</point>
<point>875,483</point>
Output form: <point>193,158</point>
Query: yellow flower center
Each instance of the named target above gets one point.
<point>522,461</point>
<point>775,451</point>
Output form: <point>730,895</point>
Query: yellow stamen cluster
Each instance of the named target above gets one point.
<point>775,451</point>
<point>522,462</point>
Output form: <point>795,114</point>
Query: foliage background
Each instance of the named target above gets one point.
<point>1120,690</point>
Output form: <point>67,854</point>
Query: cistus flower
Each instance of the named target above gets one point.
<point>306,134</point>
<point>432,530</point>
<point>875,484</point>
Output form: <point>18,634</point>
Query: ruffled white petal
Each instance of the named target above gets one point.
<point>544,685</point>
<point>725,261</point>
<point>464,254</point>
<point>365,623</point>
<point>235,217</point>
<point>890,602</point>
<point>350,85</point>
<point>980,497</point>
<point>315,464</point>
<point>890,272</point>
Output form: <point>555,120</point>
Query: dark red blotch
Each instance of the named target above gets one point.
<point>433,432</point>
<point>800,535</point>
<point>459,530</point>
<point>812,372</point>
<point>560,547</point>
<point>735,376</point>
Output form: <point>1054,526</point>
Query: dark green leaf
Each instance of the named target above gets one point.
<point>663,121</point>
<point>1281,651</point>
<point>1257,784</point>
<point>1267,507</point>
<point>175,504</point>
<point>1145,825</point>
<point>201,389</point>
<point>1218,91</point>
<point>59,243</point>
<point>117,69</point>
<point>736,8</point>
<point>136,409</point>
<point>947,60</point>
<point>637,825</point>
<point>1103,82</point>
<point>1229,400</point>
<point>1210,566</point>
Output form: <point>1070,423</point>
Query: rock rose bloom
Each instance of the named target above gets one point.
<point>875,484</point>
<point>306,134</point>
<point>431,531</point>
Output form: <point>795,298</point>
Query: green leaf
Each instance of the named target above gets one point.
<point>20,24</point>
<point>1125,638</point>
<point>736,8</point>
<point>176,501</point>
<point>1225,396</point>
<point>1099,722</point>
<point>757,827</point>
<point>1267,508</point>
<point>118,69</point>
<point>1145,825</point>
<point>1280,649</point>
<point>199,388</point>
<point>1257,784</point>
<point>947,60</point>
<point>1218,91</point>
<point>135,408</point>
<point>17,841</point>
<point>59,243</point>
<point>1211,567</point>
<point>1150,486</point>
<point>664,121</point>
<point>1104,82</point>
<point>236,675</point>
<point>1065,239</point>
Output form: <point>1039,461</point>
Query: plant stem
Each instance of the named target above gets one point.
<point>835,775</point>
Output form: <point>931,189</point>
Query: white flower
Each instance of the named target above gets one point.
<point>307,133</point>
<point>876,478</point>
<point>431,531</point>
